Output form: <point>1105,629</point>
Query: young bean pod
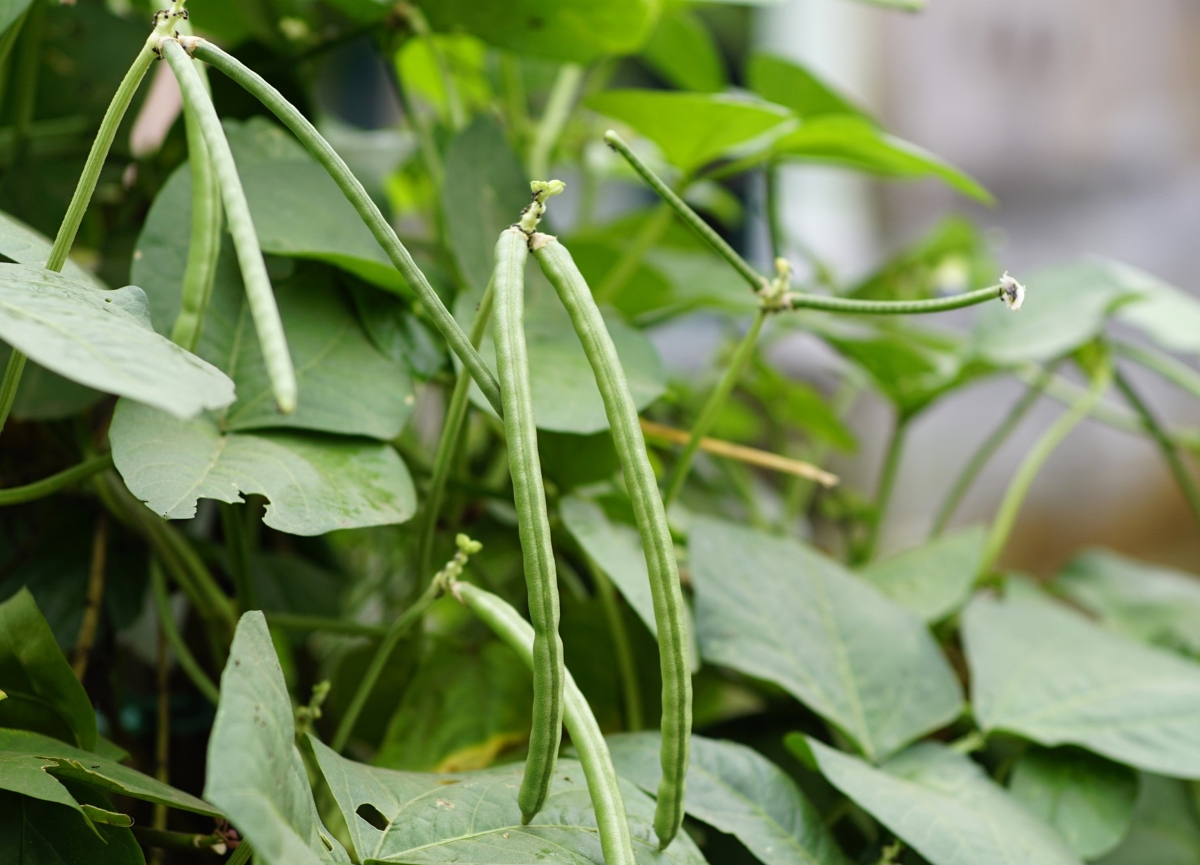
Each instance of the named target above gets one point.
<point>260,296</point>
<point>603,787</point>
<point>520,431</point>
<point>560,269</point>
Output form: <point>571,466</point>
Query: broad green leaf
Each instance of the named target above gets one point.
<point>103,339</point>
<point>738,791</point>
<point>691,129</point>
<point>858,144</point>
<point>935,579</point>
<point>255,773</point>
<point>1066,306</point>
<point>951,259</point>
<point>44,395</point>
<point>565,395</point>
<point>1043,672</point>
<point>43,693</point>
<point>1165,829</point>
<point>941,804</point>
<point>36,832</point>
<point>1166,314</point>
<point>775,608</point>
<point>682,50</point>
<point>484,193</point>
<point>793,86</point>
<point>398,333</point>
<point>461,711</point>
<point>572,31</point>
<point>1148,603</point>
<point>10,11</point>
<point>22,750</point>
<point>298,210</point>
<point>416,818</point>
<point>315,484</point>
<point>23,245</point>
<point>464,56</point>
<point>1088,799</point>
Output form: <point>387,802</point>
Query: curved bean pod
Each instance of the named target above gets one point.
<point>520,431</point>
<point>560,269</point>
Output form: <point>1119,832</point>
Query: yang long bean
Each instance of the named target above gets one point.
<point>259,294</point>
<point>560,269</point>
<point>541,580</point>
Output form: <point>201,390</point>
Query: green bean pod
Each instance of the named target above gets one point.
<point>259,294</point>
<point>560,269</point>
<point>520,431</point>
<point>603,786</point>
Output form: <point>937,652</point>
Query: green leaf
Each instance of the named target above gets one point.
<point>565,395</point>
<point>103,339</point>
<point>1165,830</point>
<point>682,50</point>
<point>24,245</point>
<point>1066,306</point>
<point>1166,314</point>
<point>1088,799</point>
<point>738,791</point>
<point>255,773</point>
<point>461,711</point>
<point>415,818</point>
<point>1148,603</point>
<point>951,259</point>
<point>572,31</point>
<point>22,750</point>
<point>935,579</point>
<point>858,144</point>
<point>1045,673</point>
<point>941,804</point>
<point>315,483</point>
<point>35,832</point>
<point>691,129</point>
<point>797,88</point>
<point>298,210</point>
<point>43,693</point>
<point>398,333</point>
<point>774,608</point>
<point>10,11</point>
<point>44,395</point>
<point>484,193</point>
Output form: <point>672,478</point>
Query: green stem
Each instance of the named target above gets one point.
<point>689,216</point>
<point>7,41</point>
<point>161,839</point>
<point>367,210</point>
<point>241,855</point>
<point>887,483</point>
<point>183,655</point>
<point>1187,484</point>
<point>454,105</point>
<point>10,385</point>
<point>713,405</point>
<point>29,64</point>
<point>801,489</point>
<point>986,450</point>
<point>443,460</point>
<point>653,228</point>
<point>603,786</point>
<point>554,119</point>
<point>631,691</point>
<point>1175,371</point>
<point>296,622</point>
<point>513,85</point>
<point>1014,497</point>
<point>799,300</point>
<point>49,486</point>
<point>259,295</point>
<point>779,240</point>
<point>238,549</point>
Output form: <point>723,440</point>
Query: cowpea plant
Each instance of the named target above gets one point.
<point>319,534</point>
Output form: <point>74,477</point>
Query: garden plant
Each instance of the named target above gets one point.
<point>366,524</point>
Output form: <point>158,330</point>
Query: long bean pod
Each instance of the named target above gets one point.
<point>603,787</point>
<point>560,269</point>
<point>541,580</point>
<point>367,209</point>
<point>259,294</point>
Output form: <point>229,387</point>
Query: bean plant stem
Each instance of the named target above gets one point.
<point>631,691</point>
<point>367,210</point>
<point>162,731</point>
<point>988,449</point>
<point>241,855</point>
<point>887,482</point>
<point>1175,371</point>
<point>56,482</point>
<point>259,295</point>
<point>238,551</point>
<point>443,460</point>
<point>1014,497</point>
<point>94,599</point>
<point>713,405</point>
<point>653,228</point>
<point>295,622</point>
<point>650,513</point>
<point>165,840</point>
<point>183,655</point>
<point>1187,484</point>
<point>554,118</point>
<point>603,786</point>
<point>513,87</point>
<point>799,300</point>
<point>454,105</point>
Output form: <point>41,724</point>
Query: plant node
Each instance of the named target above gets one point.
<point>773,296</point>
<point>533,212</point>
